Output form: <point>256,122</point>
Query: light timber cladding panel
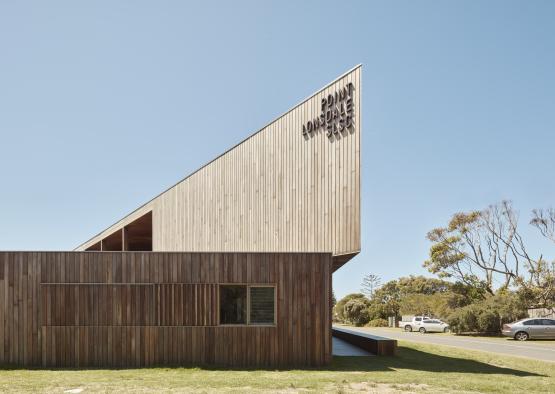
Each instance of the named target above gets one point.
<point>276,191</point>
<point>106,309</point>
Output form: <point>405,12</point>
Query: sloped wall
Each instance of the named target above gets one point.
<point>280,190</point>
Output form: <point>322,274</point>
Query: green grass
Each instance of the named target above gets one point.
<point>418,367</point>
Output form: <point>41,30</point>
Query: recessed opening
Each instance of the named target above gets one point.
<point>113,242</point>
<point>94,247</point>
<point>138,234</point>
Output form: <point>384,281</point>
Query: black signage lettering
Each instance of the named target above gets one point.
<point>337,113</point>
<point>351,87</point>
<point>349,105</point>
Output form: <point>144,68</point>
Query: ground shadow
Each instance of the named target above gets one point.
<point>407,358</point>
<point>416,360</point>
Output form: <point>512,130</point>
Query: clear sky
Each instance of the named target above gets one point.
<point>103,104</point>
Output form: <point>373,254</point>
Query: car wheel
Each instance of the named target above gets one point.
<point>408,328</point>
<point>422,330</point>
<point>521,336</point>
<point>446,329</point>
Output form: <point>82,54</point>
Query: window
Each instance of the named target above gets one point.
<point>247,304</point>
<point>233,304</point>
<point>261,305</point>
<point>531,323</point>
<point>548,322</point>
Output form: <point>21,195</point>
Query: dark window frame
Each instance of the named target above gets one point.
<point>248,286</point>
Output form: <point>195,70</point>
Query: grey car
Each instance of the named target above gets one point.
<point>530,329</point>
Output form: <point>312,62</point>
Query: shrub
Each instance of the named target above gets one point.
<point>488,315</point>
<point>339,308</point>
<point>377,323</point>
<point>474,318</point>
<point>356,311</point>
<point>488,321</point>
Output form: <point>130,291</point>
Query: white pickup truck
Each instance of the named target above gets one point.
<point>424,324</point>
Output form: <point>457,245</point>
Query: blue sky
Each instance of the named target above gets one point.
<point>104,104</point>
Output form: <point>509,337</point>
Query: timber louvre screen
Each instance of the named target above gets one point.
<point>262,304</point>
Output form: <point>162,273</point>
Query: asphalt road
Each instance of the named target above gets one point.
<point>531,349</point>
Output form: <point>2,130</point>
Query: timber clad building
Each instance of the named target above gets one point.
<point>231,266</point>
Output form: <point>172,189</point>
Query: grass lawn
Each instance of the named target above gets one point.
<point>417,368</point>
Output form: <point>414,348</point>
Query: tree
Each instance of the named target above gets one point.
<point>414,295</point>
<point>369,284</point>
<point>544,220</point>
<point>480,247</point>
<point>435,305</point>
<point>333,299</point>
<point>385,301</point>
<point>539,288</point>
<point>463,294</point>
<point>422,285</point>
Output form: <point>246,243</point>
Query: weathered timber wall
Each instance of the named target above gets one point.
<point>131,309</point>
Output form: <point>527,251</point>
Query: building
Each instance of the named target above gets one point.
<point>232,265</point>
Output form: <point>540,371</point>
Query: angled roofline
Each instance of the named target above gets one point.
<point>225,152</point>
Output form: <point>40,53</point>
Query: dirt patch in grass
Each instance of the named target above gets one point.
<point>388,388</point>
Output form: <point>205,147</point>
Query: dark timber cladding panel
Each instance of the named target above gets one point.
<point>171,304</point>
<point>78,309</point>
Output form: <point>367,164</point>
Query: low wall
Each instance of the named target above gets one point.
<point>377,345</point>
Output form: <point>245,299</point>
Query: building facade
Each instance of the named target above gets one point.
<point>233,265</point>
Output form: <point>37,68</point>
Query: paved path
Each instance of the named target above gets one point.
<point>342,348</point>
<point>530,349</point>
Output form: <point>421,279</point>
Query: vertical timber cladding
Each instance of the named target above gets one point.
<point>293,186</point>
<point>121,309</point>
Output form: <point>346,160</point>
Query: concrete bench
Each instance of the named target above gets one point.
<point>377,345</point>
